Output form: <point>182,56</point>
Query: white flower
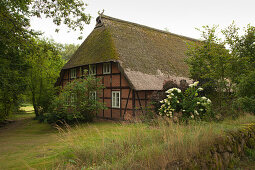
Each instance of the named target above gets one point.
<point>198,102</point>
<point>209,101</point>
<point>196,83</point>
<point>179,90</point>
<point>204,98</point>
<point>167,115</point>
<point>178,101</point>
<point>162,101</point>
<point>200,89</point>
<point>201,110</point>
<point>183,110</point>
<point>192,116</point>
<point>196,112</point>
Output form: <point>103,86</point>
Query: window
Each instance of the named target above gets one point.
<point>72,98</point>
<point>85,71</point>
<point>73,73</point>
<point>106,68</point>
<point>116,99</point>
<point>93,95</point>
<point>92,69</point>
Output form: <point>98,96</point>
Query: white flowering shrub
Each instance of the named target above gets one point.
<point>188,104</point>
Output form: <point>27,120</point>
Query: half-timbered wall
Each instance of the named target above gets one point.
<point>132,103</point>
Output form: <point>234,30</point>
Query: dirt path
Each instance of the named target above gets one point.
<point>27,144</point>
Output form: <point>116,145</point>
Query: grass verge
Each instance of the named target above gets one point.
<point>139,146</point>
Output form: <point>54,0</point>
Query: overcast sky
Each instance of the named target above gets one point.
<point>178,16</point>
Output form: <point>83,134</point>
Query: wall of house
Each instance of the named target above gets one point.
<point>132,103</point>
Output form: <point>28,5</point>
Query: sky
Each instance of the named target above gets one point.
<point>178,16</point>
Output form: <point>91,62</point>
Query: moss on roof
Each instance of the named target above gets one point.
<point>144,53</point>
<point>98,47</point>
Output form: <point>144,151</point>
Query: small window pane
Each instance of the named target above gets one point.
<point>92,69</point>
<point>106,68</point>
<point>116,99</point>
<point>73,73</point>
<point>93,95</point>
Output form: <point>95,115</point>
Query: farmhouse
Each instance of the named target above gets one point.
<point>132,60</point>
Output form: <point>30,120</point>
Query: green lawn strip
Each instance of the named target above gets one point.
<point>29,144</point>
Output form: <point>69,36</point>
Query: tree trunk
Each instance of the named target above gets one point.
<point>35,106</point>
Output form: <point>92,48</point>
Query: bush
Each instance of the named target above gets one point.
<point>246,93</point>
<point>246,104</point>
<point>160,95</point>
<point>185,105</point>
<point>77,102</point>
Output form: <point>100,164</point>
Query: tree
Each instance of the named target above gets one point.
<point>46,63</point>
<point>16,40</point>
<point>209,62</point>
<point>224,65</point>
<point>68,50</point>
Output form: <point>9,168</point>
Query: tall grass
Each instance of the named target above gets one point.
<point>139,146</point>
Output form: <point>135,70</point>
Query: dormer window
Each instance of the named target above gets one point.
<point>92,69</point>
<point>73,73</point>
<point>106,68</point>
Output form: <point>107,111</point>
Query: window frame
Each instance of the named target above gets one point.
<point>73,73</point>
<point>93,94</point>
<point>92,67</point>
<point>115,100</point>
<point>73,98</point>
<point>107,68</point>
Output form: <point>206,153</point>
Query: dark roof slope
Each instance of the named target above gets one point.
<point>148,56</point>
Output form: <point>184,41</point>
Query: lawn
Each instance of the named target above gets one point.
<point>28,144</point>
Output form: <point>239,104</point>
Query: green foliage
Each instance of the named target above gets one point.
<point>246,93</point>
<point>209,62</point>
<point>185,105</point>
<point>224,67</point>
<point>68,50</point>
<point>45,64</point>
<point>17,40</point>
<point>76,102</point>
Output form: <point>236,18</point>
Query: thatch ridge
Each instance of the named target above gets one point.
<point>151,28</point>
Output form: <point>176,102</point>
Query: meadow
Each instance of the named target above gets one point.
<point>28,144</point>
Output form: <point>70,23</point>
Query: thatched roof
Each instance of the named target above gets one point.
<point>147,56</point>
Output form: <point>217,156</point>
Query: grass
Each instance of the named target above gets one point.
<point>139,146</point>
<point>27,144</point>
